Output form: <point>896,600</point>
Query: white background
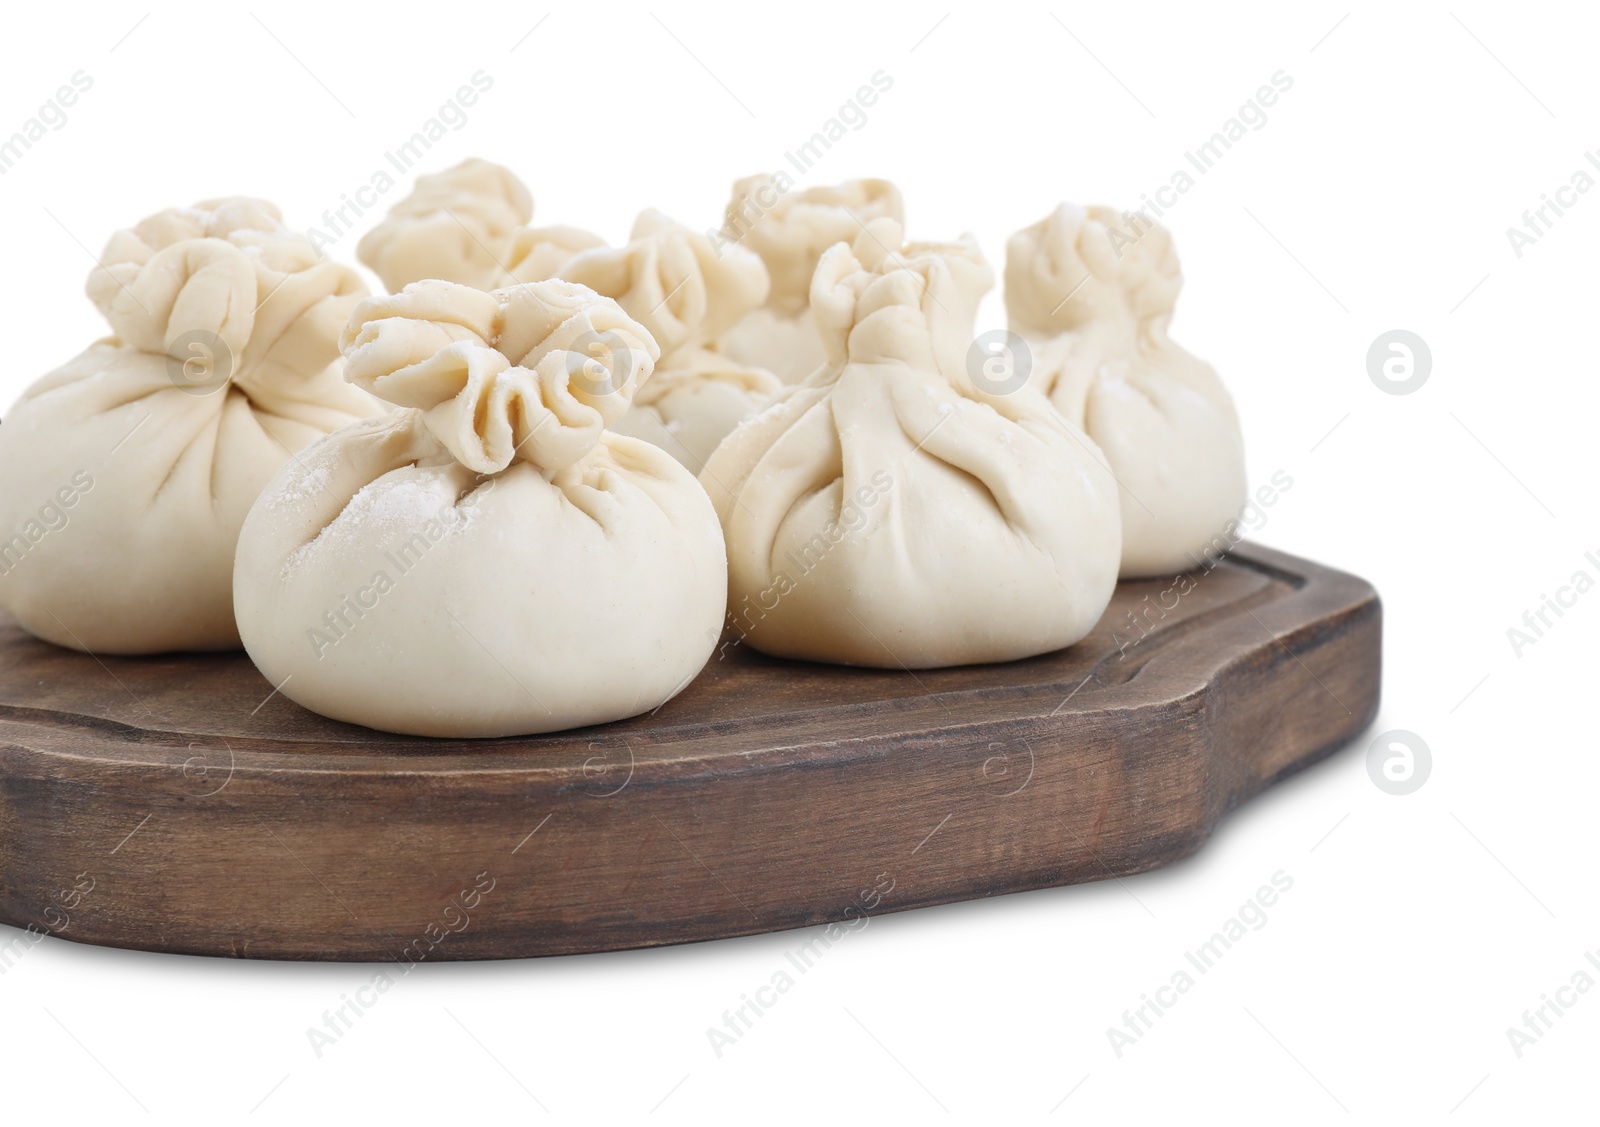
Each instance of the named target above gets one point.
<point>1377,196</point>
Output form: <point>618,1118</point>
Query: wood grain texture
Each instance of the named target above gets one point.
<point>205,814</point>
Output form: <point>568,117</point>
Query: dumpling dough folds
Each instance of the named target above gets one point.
<point>456,225</point>
<point>1097,313</point>
<point>489,560</point>
<point>686,292</point>
<point>889,512</point>
<point>128,471</point>
<point>689,409</point>
<point>790,230</point>
<point>539,253</point>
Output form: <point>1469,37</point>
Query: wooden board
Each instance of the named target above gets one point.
<point>178,804</point>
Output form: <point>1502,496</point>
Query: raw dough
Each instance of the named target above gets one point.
<point>891,512</point>
<point>790,230</point>
<point>690,409</point>
<point>128,470</point>
<point>456,225</point>
<point>489,560</point>
<point>1097,309</point>
<point>686,291</point>
<point>538,253</point>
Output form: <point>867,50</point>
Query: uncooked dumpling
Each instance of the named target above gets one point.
<point>1097,310</point>
<point>689,409</point>
<point>456,225</point>
<point>890,511</point>
<point>790,231</point>
<point>674,281</point>
<point>489,560</point>
<point>538,253</point>
<point>685,292</point>
<point>126,473</point>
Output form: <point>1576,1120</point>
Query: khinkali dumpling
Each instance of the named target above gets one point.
<point>126,473</point>
<point>790,230</point>
<point>456,225</point>
<point>890,511</point>
<point>677,284</point>
<point>538,253</point>
<point>674,281</point>
<point>1097,311</point>
<point>489,560</point>
<point>689,409</point>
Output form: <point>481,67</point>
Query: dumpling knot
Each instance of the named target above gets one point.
<point>226,285</point>
<point>684,289</point>
<point>882,300</point>
<point>538,253</point>
<point>456,225</point>
<point>1081,265</point>
<point>534,372</point>
<point>791,230</point>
